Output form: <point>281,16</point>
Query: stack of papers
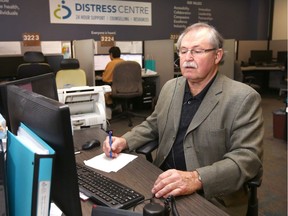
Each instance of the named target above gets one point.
<point>106,164</point>
<point>148,71</point>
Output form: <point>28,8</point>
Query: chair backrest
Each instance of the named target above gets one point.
<point>70,75</point>
<point>34,65</point>
<point>127,80</point>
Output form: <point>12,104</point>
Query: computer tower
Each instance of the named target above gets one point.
<point>148,97</point>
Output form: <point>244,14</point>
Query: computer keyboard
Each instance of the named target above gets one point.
<point>105,191</point>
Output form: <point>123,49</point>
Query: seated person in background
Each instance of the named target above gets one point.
<point>208,126</point>
<point>107,76</point>
<point>115,54</point>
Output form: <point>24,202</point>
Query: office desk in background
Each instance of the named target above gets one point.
<point>98,77</point>
<point>140,175</point>
<point>266,76</point>
<point>150,90</point>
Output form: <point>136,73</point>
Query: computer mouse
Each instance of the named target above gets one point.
<point>91,144</point>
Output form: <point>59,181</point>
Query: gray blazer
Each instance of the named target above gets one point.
<point>224,141</point>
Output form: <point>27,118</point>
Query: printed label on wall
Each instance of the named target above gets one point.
<point>8,8</point>
<point>101,12</point>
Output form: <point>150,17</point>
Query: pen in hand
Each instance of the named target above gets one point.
<point>110,143</point>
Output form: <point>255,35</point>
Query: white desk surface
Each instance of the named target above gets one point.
<point>144,75</point>
<point>262,68</point>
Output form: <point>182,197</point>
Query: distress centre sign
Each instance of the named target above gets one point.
<point>101,12</point>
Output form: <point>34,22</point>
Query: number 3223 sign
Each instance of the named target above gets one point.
<point>31,39</point>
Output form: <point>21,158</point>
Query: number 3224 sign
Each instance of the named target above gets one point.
<point>107,40</point>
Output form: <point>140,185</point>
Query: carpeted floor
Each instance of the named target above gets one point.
<point>272,194</point>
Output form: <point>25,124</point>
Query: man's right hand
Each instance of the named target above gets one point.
<point>118,145</point>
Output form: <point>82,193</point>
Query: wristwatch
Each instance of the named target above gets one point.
<point>199,177</point>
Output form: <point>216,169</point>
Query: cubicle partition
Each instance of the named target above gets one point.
<point>227,67</point>
<point>162,51</point>
<point>278,46</point>
<point>84,52</point>
<point>245,47</point>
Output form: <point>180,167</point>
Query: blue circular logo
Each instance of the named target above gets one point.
<point>62,12</point>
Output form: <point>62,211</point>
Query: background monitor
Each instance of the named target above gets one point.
<point>282,57</point>
<point>9,65</point>
<point>100,61</point>
<point>133,57</point>
<point>50,120</point>
<point>54,61</point>
<point>44,84</point>
<point>260,57</point>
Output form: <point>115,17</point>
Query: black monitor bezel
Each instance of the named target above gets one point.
<point>44,84</point>
<point>260,56</point>
<point>50,120</point>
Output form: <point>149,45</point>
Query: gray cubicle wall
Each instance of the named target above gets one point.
<point>277,45</point>
<point>84,52</point>
<point>162,51</point>
<point>244,48</point>
<point>227,68</point>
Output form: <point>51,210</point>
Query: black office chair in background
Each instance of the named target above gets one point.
<point>249,79</point>
<point>34,65</point>
<point>252,184</point>
<point>126,85</point>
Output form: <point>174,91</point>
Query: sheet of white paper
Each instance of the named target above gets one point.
<point>148,71</point>
<point>54,210</point>
<point>106,164</point>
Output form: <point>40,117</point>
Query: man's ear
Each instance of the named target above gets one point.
<point>219,55</point>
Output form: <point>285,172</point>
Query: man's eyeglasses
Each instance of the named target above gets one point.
<point>196,52</point>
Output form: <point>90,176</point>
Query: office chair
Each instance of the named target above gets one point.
<point>34,65</point>
<point>252,184</point>
<point>70,75</point>
<point>249,80</point>
<point>126,85</point>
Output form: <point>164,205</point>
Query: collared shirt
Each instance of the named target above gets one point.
<point>176,157</point>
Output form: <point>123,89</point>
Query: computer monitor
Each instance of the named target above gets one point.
<point>9,65</point>
<point>44,84</point>
<point>54,61</point>
<point>258,57</point>
<point>133,57</point>
<point>100,61</point>
<point>50,120</point>
<point>282,57</point>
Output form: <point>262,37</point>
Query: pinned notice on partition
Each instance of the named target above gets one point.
<point>31,39</point>
<point>107,40</point>
<point>174,36</point>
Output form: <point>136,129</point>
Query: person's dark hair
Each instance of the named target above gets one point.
<point>115,51</point>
